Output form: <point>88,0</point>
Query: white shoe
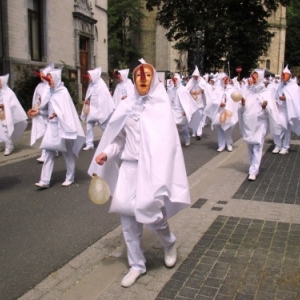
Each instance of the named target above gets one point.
<point>67,183</point>
<point>220,149</point>
<point>171,256</point>
<point>283,151</point>
<point>42,185</point>
<point>8,151</point>
<point>40,159</point>
<point>187,142</point>
<point>194,135</point>
<point>252,177</point>
<point>229,148</point>
<point>276,150</point>
<point>88,148</point>
<point>56,153</point>
<point>131,277</point>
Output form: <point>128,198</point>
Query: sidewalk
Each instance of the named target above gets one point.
<point>238,240</point>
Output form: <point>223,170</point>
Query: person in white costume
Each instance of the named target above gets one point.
<point>40,101</point>
<point>222,110</point>
<point>124,86</point>
<point>185,109</point>
<point>63,122</point>
<point>287,99</point>
<point>257,116</point>
<point>197,87</point>
<point>13,118</point>
<point>101,106</point>
<point>141,158</point>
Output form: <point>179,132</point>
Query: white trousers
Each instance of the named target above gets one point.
<point>89,139</point>
<point>49,163</point>
<point>201,123</point>
<point>133,230</point>
<point>255,155</point>
<point>224,136</point>
<point>123,204</point>
<point>283,140</point>
<point>184,128</point>
<point>8,141</point>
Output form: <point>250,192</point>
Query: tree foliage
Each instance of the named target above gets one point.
<point>292,50</point>
<point>234,30</point>
<point>124,18</point>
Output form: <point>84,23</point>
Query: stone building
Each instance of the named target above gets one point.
<point>157,50</point>
<point>274,60</point>
<point>34,33</point>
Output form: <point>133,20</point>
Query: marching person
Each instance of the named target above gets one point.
<point>287,99</point>
<point>185,110</point>
<point>39,101</point>
<point>100,106</point>
<point>124,86</point>
<point>222,110</point>
<point>64,132</point>
<point>13,118</point>
<point>257,116</point>
<point>141,158</point>
<point>197,86</point>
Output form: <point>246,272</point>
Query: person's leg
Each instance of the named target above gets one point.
<point>70,163</point>
<point>221,138</point>
<point>278,143</point>
<point>200,127</point>
<point>89,138</point>
<point>132,232</point>
<point>47,169</point>
<point>186,133</point>
<point>286,141</point>
<point>228,138</point>
<point>255,160</point>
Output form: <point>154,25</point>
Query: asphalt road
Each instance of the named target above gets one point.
<point>41,230</point>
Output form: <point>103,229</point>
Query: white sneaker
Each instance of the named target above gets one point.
<point>40,159</point>
<point>171,256</point>
<point>187,142</point>
<point>42,185</point>
<point>88,148</point>
<point>221,149</point>
<point>252,177</point>
<point>131,277</point>
<point>229,148</point>
<point>283,151</point>
<point>194,135</point>
<point>67,183</point>
<point>276,150</point>
<point>8,151</point>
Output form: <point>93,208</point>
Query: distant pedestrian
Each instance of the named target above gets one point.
<point>64,132</point>
<point>257,116</point>
<point>100,106</point>
<point>13,118</point>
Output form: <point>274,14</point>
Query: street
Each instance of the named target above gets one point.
<point>41,230</point>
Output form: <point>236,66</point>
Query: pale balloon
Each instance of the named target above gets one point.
<point>98,190</point>
<point>236,96</point>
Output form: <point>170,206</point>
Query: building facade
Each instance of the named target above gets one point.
<point>69,33</point>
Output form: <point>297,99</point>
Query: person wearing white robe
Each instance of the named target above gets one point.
<point>222,110</point>
<point>257,116</point>
<point>287,99</point>
<point>141,158</point>
<point>63,118</point>
<point>13,118</point>
<point>101,106</point>
<point>39,101</point>
<point>197,87</point>
<point>124,86</point>
<point>185,110</point>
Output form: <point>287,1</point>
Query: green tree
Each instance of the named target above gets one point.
<point>292,50</point>
<point>232,30</point>
<point>123,23</point>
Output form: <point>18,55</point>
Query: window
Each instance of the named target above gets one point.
<point>34,29</point>
<point>268,64</point>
